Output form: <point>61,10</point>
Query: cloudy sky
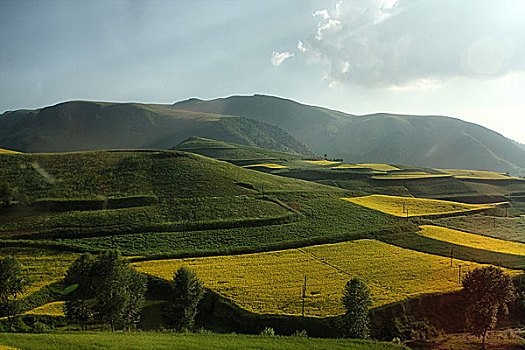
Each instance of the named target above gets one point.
<point>464,59</point>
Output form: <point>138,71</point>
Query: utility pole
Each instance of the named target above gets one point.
<point>304,293</point>
<point>407,214</point>
<point>459,273</point>
<point>404,203</point>
<point>451,250</point>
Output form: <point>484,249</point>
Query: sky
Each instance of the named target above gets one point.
<point>464,59</point>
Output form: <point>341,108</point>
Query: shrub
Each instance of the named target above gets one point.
<point>268,331</point>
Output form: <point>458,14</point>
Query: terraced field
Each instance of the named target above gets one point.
<point>508,228</point>
<point>476,174</point>
<point>9,151</point>
<point>472,240</point>
<point>271,283</point>
<point>407,206</point>
<point>408,176</point>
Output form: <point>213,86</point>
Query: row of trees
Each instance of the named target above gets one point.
<point>106,289</point>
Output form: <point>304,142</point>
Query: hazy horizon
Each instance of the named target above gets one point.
<point>464,60</point>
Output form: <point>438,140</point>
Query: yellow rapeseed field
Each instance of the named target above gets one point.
<point>476,174</point>
<point>472,240</point>
<point>272,282</point>
<point>266,165</point>
<point>378,166</point>
<point>5,347</point>
<point>407,176</point>
<point>43,266</point>
<point>9,151</point>
<point>51,309</point>
<point>397,206</point>
<point>321,162</point>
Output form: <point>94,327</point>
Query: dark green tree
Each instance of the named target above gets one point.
<point>356,300</point>
<point>80,290</point>
<point>487,290</point>
<point>187,292</point>
<point>12,283</point>
<point>119,290</point>
<point>105,287</point>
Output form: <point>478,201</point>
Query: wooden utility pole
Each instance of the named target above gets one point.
<point>404,204</point>
<point>407,214</point>
<point>459,273</point>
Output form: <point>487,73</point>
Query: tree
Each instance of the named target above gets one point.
<point>187,291</point>
<point>487,290</point>
<point>12,284</point>
<point>79,305</point>
<point>356,300</point>
<point>106,287</point>
<point>119,290</point>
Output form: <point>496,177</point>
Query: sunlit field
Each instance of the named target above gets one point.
<point>472,240</point>
<point>476,174</point>
<point>398,206</point>
<point>51,309</point>
<point>321,162</point>
<point>266,165</point>
<point>42,266</point>
<point>272,282</point>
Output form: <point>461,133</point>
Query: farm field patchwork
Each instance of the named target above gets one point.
<point>378,166</point>
<point>398,206</point>
<point>43,266</point>
<point>472,240</point>
<point>9,151</point>
<point>272,282</point>
<point>407,176</point>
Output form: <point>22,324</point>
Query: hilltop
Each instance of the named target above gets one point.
<point>428,141</point>
<point>83,125</point>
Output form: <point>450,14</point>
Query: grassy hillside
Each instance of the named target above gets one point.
<point>82,125</point>
<point>170,203</point>
<point>431,141</point>
<point>159,341</point>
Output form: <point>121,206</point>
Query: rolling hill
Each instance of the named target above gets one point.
<point>429,141</point>
<point>81,125</point>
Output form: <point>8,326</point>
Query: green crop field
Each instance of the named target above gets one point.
<point>160,341</point>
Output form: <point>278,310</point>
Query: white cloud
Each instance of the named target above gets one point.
<point>280,57</point>
<point>407,44</point>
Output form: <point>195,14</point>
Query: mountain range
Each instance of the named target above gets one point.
<point>267,122</point>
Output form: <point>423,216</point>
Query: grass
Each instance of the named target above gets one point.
<point>509,228</point>
<point>160,341</point>
<point>50,309</point>
<point>272,282</point>
<point>421,176</point>
<point>472,240</point>
<point>42,266</point>
<point>406,206</point>
<point>325,218</point>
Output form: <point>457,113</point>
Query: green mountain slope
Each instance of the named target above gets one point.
<point>429,141</point>
<point>79,125</point>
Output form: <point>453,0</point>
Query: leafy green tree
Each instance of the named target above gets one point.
<point>356,300</point>
<point>119,290</point>
<point>12,284</point>
<point>80,293</point>
<point>105,287</point>
<point>487,290</point>
<point>187,292</point>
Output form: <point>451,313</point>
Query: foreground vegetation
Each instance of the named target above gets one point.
<point>159,341</point>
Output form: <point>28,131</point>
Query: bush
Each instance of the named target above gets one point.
<point>40,327</point>
<point>268,331</point>
<point>301,334</point>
